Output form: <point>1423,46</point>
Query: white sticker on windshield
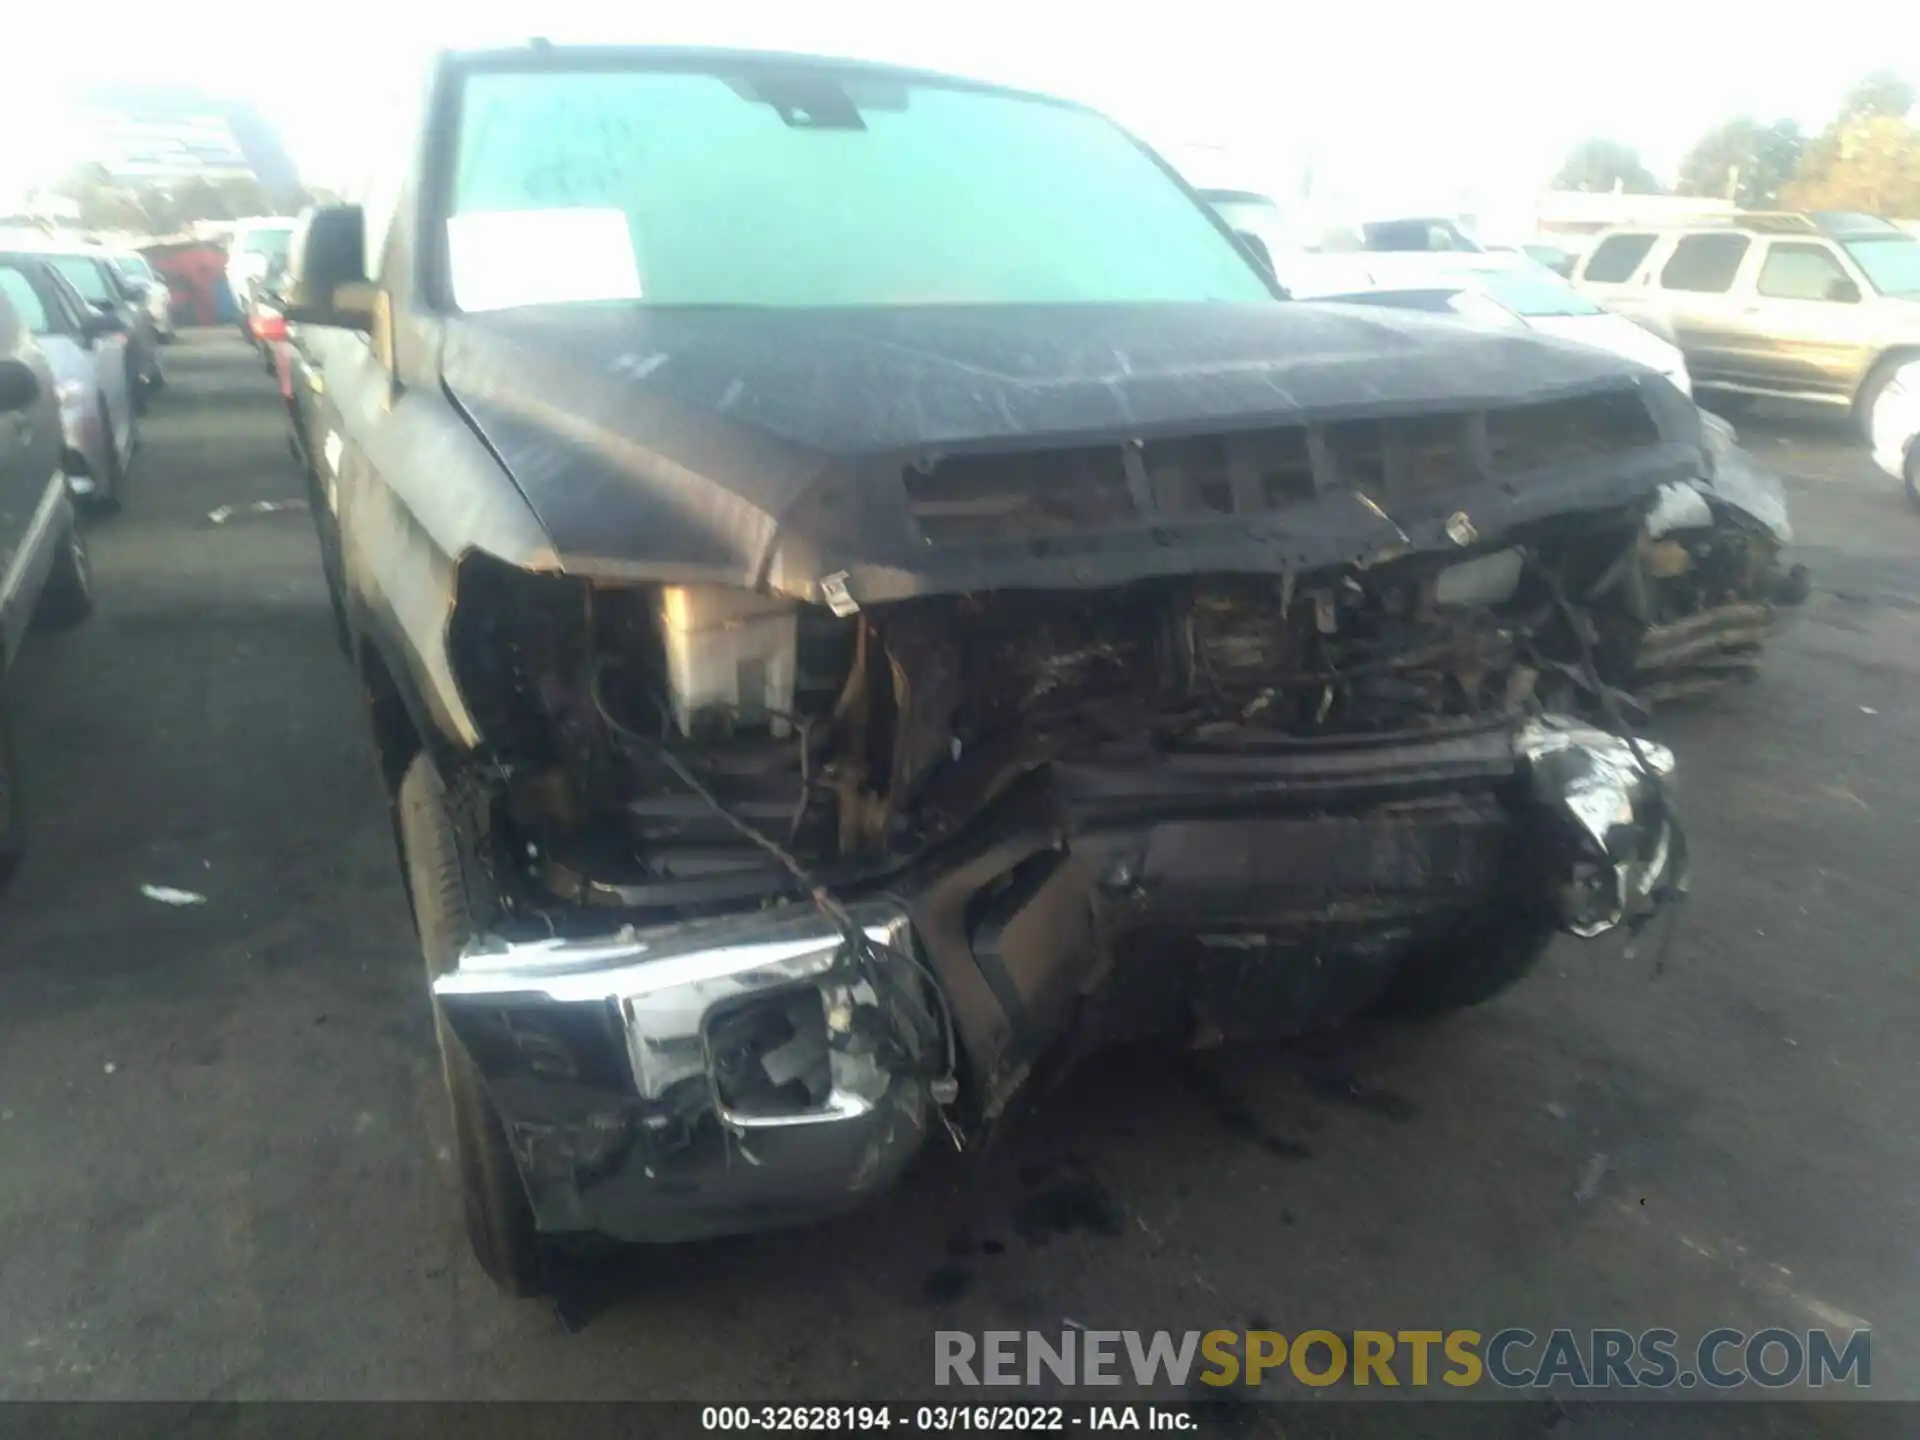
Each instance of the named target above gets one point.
<point>501,258</point>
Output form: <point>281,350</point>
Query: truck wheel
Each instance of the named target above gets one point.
<point>68,598</point>
<point>1471,966</point>
<point>499,1219</point>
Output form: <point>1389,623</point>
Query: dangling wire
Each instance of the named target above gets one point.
<point>864,949</point>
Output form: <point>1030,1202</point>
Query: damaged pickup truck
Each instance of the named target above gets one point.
<point>860,585</point>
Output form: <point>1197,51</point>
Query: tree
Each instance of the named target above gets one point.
<point>1870,163</point>
<point>1600,164</point>
<point>1881,94</point>
<point>1868,159</point>
<point>1743,161</point>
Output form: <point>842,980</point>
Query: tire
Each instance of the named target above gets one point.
<point>1470,967</point>
<point>1913,474</point>
<point>105,498</point>
<point>11,831</point>
<point>68,598</point>
<point>499,1219</point>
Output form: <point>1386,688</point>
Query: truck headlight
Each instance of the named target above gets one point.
<point>526,649</point>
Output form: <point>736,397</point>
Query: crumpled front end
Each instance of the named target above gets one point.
<point>1213,806</point>
<point>1618,851</point>
<point>699,1079</point>
<point>725,1075</point>
<point>1211,734</point>
<point>1704,594</point>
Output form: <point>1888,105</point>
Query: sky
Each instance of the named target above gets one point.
<point>1389,103</point>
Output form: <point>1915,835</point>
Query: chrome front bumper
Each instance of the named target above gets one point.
<point>600,1056</point>
<point>741,1073</point>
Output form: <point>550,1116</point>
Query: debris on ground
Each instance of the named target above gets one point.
<point>254,507</point>
<point>167,895</point>
<point>1590,1177</point>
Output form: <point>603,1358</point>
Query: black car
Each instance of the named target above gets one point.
<point>863,587</point>
<point>43,558</point>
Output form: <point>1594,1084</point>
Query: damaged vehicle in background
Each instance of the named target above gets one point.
<point>825,668</point>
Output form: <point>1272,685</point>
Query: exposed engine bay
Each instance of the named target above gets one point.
<point>1028,820</point>
<point>1105,761</point>
<point>860,742</point>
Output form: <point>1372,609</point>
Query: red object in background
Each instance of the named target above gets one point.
<point>196,277</point>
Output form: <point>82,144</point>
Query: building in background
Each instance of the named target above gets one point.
<point>163,134</point>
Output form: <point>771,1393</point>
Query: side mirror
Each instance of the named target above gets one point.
<point>1845,291</point>
<point>19,386</point>
<point>103,322</point>
<point>326,273</point>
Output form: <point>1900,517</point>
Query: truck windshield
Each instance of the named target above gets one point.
<point>809,188</point>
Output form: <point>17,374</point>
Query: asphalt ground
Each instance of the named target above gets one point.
<point>224,1170</point>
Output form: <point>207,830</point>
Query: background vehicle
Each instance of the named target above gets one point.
<point>261,317</point>
<point>43,558</point>
<point>1820,307</point>
<point>1507,289</point>
<point>1895,429</point>
<point>256,247</point>
<point>155,293</point>
<point>98,281</point>
<point>1551,257</point>
<point>1404,233</point>
<point>912,710</point>
<point>87,350</point>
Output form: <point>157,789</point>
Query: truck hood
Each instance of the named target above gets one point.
<point>1619,336</point>
<point>770,448</point>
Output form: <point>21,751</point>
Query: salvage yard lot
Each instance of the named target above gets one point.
<point>223,1163</point>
